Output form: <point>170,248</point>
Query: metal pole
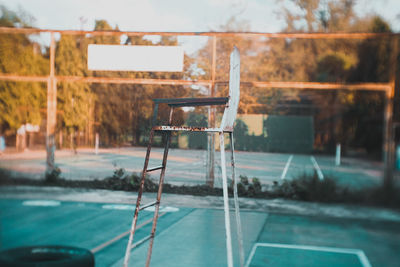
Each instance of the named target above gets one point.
<point>311,35</point>
<point>337,159</point>
<point>259,84</point>
<point>51,111</point>
<point>211,120</point>
<point>236,200</point>
<point>160,188</point>
<point>388,145</point>
<point>138,200</point>
<point>229,256</point>
<point>96,146</point>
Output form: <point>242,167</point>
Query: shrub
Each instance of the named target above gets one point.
<point>53,176</point>
<point>310,188</point>
<point>252,189</point>
<point>119,173</point>
<point>244,180</point>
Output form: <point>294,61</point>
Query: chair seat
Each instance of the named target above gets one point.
<point>189,129</point>
<point>191,102</point>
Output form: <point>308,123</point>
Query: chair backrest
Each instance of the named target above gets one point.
<point>228,119</point>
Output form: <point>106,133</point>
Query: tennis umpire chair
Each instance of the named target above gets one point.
<point>231,105</point>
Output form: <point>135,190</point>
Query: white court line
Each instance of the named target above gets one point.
<point>316,167</point>
<point>118,237</point>
<point>360,254</point>
<point>253,251</point>
<point>286,167</point>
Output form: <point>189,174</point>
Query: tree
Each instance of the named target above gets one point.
<point>125,111</point>
<point>373,66</point>
<point>224,47</point>
<point>110,111</point>
<point>74,99</point>
<point>343,116</point>
<point>20,102</point>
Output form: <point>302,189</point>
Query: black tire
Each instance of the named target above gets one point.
<point>46,256</point>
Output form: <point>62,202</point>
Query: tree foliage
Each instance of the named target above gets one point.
<point>20,102</point>
<point>74,99</point>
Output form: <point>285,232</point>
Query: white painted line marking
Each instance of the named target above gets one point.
<point>316,167</point>
<point>360,254</point>
<point>286,167</point>
<point>118,207</point>
<point>162,209</point>
<point>132,207</point>
<point>120,236</point>
<point>41,203</point>
<point>253,251</point>
<point>363,258</point>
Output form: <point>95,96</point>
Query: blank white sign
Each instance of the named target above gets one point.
<point>135,58</point>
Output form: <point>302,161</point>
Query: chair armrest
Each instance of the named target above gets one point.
<point>190,102</point>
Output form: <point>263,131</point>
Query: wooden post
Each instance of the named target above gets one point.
<point>51,111</point>
<point>389,144</point>
<point>211,120</point>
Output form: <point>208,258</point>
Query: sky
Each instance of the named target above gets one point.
<point>175,15</point>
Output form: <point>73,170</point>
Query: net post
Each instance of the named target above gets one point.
<point>388,142</point>
<point>51,111</point>
<point>211,120</point>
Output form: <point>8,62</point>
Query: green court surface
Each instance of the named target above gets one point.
<point>280,255</point>
<point>189,166</point>
<point>196,236</point>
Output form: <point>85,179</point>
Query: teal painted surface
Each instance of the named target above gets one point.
<point>196,237</point>
<point>75,224</point>
<point>115,252</point>
<point>199,240</point>
<point>283,257</point>
<point>189,236</point>
<point>85,225</point>
<point>380,240</point>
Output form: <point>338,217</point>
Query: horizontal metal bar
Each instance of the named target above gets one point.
<point>119,237</point>
<point>259,84</point>
<point>141,241</point>
<point>118,80</point>
<point>155,168</point>
<point>187,129</point>
<point>107,80</point>
<point>317,85</point>
<point>22,78</point>
<point>298,35</point>
<point>185,102</point>
<point>148,205</point>
<point>303,106</point>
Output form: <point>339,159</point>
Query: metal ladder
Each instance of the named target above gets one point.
<point>231,104</point>
<point>156,203</point>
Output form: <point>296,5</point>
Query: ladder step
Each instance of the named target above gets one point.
<point>141,241</point>
<point>155,168</point>
<point>148,205</point>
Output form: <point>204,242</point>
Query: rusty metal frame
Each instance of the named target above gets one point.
<point>52,79</point>
<point>297,35</point>
<point>231,104</point>
<point>51,112</point>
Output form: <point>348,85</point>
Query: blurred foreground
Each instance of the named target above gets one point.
<point>190,231</point>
